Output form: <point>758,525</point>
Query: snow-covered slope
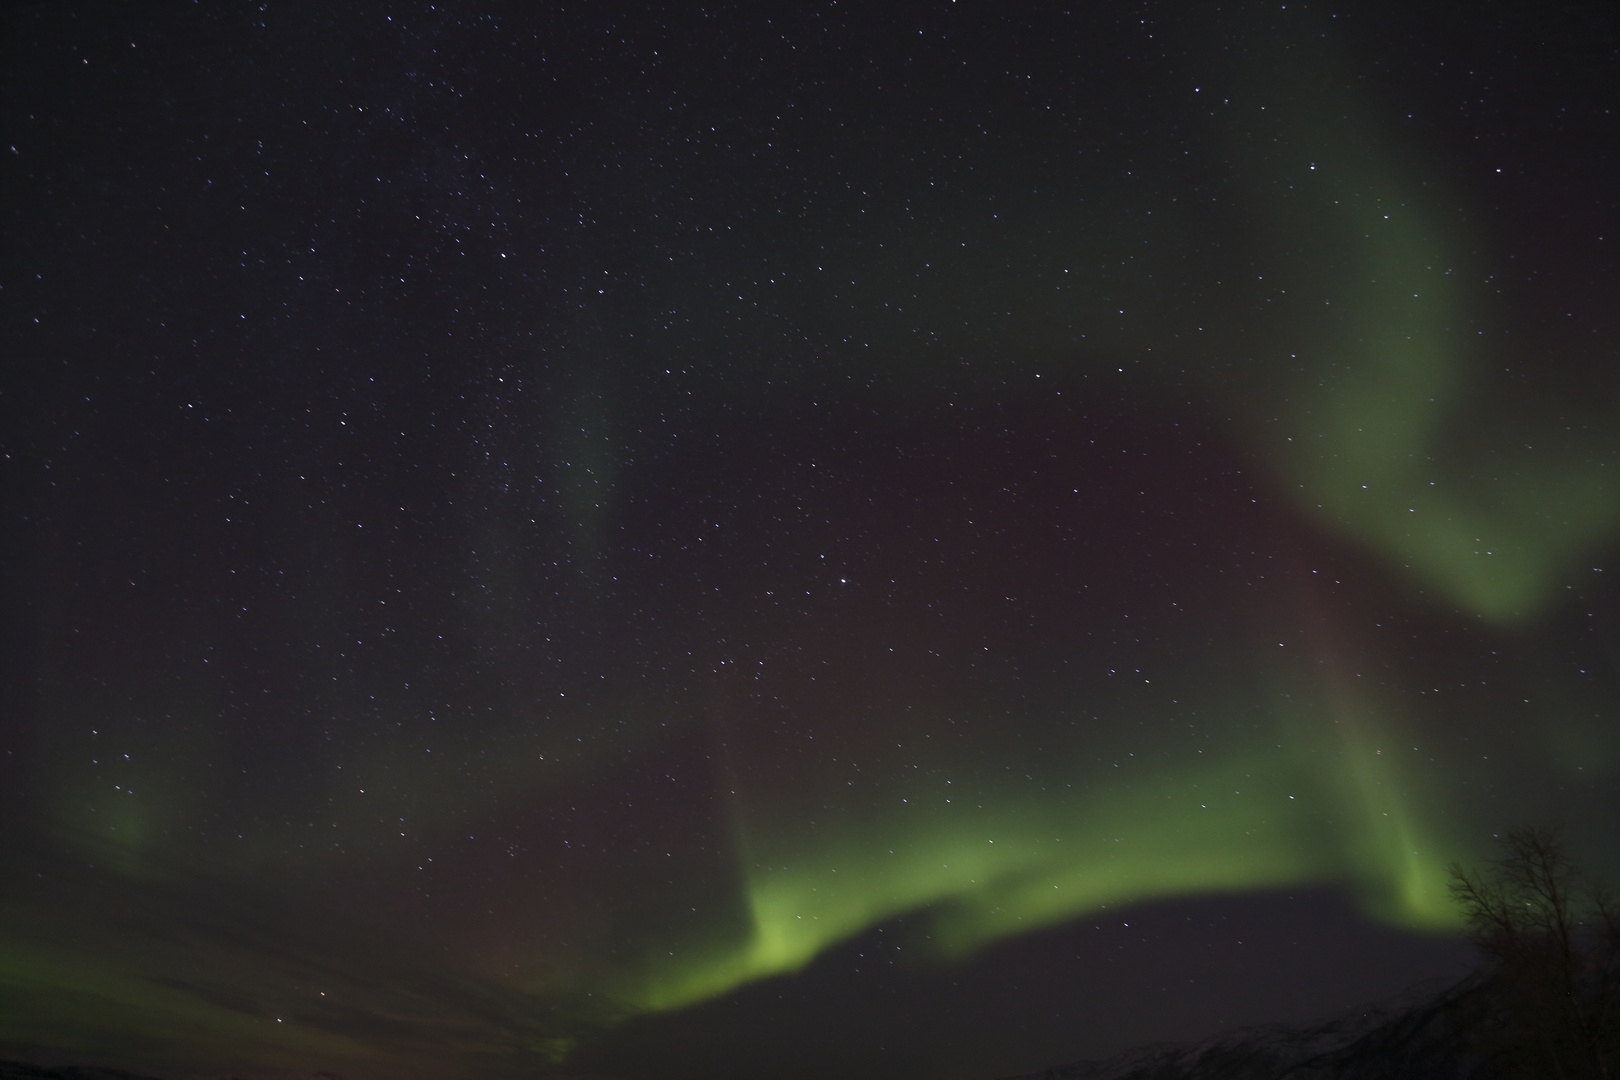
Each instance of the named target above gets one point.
<point>1427,1033</point>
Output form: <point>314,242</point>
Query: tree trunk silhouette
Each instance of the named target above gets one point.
<point>1553,938</point>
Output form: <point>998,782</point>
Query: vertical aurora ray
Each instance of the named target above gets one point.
<point>1391,840</point>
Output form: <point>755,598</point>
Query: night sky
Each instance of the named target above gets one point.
<point>911,540</point>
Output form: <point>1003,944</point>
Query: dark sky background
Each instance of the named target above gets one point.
<point>912,540</point>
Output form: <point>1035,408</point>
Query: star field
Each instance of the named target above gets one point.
<point>797,540</point>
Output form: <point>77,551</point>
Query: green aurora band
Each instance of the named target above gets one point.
<point>1321,794</point>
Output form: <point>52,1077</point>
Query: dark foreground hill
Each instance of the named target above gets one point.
<point>21,1070</point>
<point>1428,1033</point>
<point>1432,1032</point>
<point>1425,1034</point>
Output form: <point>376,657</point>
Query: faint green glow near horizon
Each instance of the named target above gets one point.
<point>53,993</point>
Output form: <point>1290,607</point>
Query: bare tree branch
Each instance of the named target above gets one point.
<point>1554,939</point>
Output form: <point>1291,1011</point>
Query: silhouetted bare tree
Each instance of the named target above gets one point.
<point>1553,937</point>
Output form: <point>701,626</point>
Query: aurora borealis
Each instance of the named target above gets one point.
<point>621,542</point>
